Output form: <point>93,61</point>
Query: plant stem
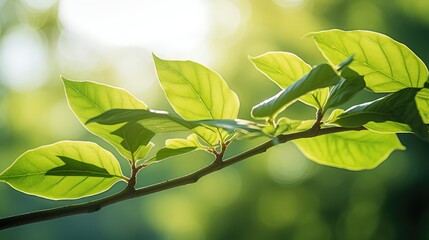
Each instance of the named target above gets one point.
<point>130,192</point>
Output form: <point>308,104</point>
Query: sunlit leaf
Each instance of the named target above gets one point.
<point>196,92</point>
<point>422,102</point>
<point>321,76</point>
<point>190,141</point>
<point>89,99</point>
<point>333,116</point>
<point>386,64</point>
<point>284,68</point>
<point>64,170</point>
<point>143,152</point>
<point>164,153</point>
<point>175,147</point>
<point>397,107</point>
<point>388,127</point>
<point>286,126</point>
<point>350,150</point>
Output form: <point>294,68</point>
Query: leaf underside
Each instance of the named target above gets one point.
<point>398,107</point>
<point>319,77</point>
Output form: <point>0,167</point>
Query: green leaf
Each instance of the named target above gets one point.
<point>190,141</point>
<point>153,120</point>
<point>64,170</point>
<point>195,93</point>
<point>89,99</point>
<point>348,86</point>
<point>422,102</point>
<point>397,107</point>
<point>135,138</point>
<point>320,77</point>
<point>144,152</point>
<point>161,122</point>
<point>164,153</point>
<point>350,150</point>
<point>286,125</point>
<point>231,125</point>
<point>174,147</point>
<point>388,127</point>
<point>333,116</point>
<point>386,64</point>
<point>344,65</point>
<point>284,68</point>
<point>316,98</point>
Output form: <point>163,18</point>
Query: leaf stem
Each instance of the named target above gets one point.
<point>130,191</point>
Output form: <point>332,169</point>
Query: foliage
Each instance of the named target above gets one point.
<point>207,108</point>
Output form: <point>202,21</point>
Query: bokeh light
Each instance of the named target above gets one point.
<point>23,58</point>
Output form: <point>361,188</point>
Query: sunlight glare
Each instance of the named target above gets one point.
<point>169,25</point>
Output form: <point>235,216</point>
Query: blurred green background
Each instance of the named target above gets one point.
<point>276,195</point>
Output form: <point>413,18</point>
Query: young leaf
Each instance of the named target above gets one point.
<point>321,76</point>
<point>345,89</point>
<point>174,147</point>
<point>386,64</point>
<point>397,107</point>
<point>284,68</point>
<point>196,92</point>
<point>89,99</point>
<point>350,150</point>
<point>164,153</point>
<point>190,141</point>
<point>64,170</point>
<point>286,125</point>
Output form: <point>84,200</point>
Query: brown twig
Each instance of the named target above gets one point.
<point>130,191</point>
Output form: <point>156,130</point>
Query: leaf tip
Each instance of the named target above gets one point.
<point>156,58</point>
<point>344,64</point>
<point>401,147</point>
<point>94,119</point>
<point>65,80</point>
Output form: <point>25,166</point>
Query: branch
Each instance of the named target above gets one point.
<point>130,192</point>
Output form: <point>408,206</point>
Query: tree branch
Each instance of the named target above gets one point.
<point>130,192</point>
